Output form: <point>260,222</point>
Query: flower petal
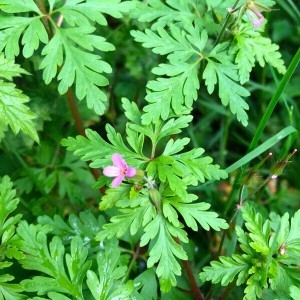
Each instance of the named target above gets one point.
<point>130,172</point>
<point>118,161</point>
<point>111,171</point>
<point>255,15</point>
<point>117,181</point>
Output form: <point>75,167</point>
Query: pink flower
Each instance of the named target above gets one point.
<point>119,170</point>
<point>254,15</point>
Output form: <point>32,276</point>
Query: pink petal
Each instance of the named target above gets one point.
<point>257,23</point>
<point>118,161</point>
<point>111,171</point>
<point>117,181</point>
<point>256,16</point>
<point>130,172</point>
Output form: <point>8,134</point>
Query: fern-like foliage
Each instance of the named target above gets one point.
<point>64,273</point>
<point>71,49</point>
<point>50,260</point>
<point>149,214</point>
<point>185,39</point>
<point>249,46</point>
<point>13,110</point>
<point>269,261</point>
<point>108,283</point>
<point>10,242</point>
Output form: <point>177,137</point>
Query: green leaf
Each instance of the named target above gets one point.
<point>225,73</point>
<point>51,260</point>
<point>91,147</point>
<point>113,195</point>
<point>77,66</point>
<point>9,241</point>
<point>199,167</point>
<point>174,126</point>
<point>19,6</point>
<point>197,212</point>
<point>86,225</point>
<point>164,167</point>
<point>133,218</point>
<point>294,292</point>
<point>13,111</point>
<point>283,276</point>
<point>109,284</point>
<point>288,241</point>
<point>162,14</point>
<point>250,47</point>
<point>177,92</point>
<point>149,284</point>
<point>259,231</point>
<point>173,147</point>
<point>165,250</point>
<point>82,12</point>
<point>178,87</point>
<point>164,43</point>
<point>10,291</point>
<point>9,69</point>
<point>226,270</point>
<point>131,111</point>
<point>33,32</point>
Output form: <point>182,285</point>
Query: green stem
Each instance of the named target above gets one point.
<point>224,139</point>
<point>41,5</point>
<point>226,23</point>
<point>282,85</point>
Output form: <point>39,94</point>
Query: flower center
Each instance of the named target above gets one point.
<point>123,171</point>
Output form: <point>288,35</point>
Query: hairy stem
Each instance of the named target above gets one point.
<point>228,17</point>
<point>190,276</point>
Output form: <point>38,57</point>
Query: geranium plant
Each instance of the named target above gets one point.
<point>138,172</point>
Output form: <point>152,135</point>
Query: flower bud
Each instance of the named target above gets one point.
<point>155,197</point>
<point>278,167</point>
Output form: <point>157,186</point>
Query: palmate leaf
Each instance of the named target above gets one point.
<point>178,87</point>
<point>109,282</point>
<point>250,47</point>
<point>177,92</point>
<point>52,262</point>
<point>69,53</point>
<point>13,111</point>
<point>165,250</point>
<point>77,66</point>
